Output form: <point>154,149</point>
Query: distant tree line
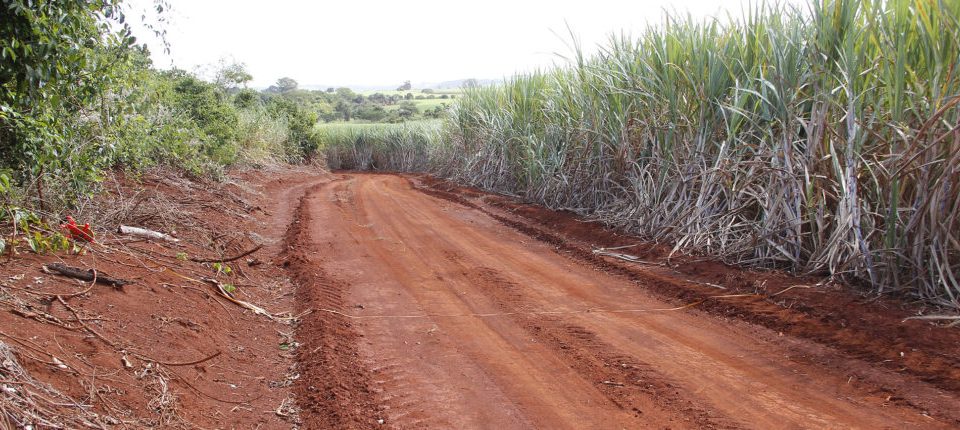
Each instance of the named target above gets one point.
<point>344,104</point>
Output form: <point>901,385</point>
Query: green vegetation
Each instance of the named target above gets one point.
<point>395,147</point>
<point>394,106</point>
<point>820,140</point>
<point>78,96</point>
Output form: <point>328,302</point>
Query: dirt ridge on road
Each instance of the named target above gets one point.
<point>333,390</point>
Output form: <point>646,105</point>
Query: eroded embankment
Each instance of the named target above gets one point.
<point>169,349</point>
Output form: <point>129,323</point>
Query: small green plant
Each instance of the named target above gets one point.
<point>38,235</point>
<point>182,256</point>
<point>229,288</point>
<point>41,242</point>
<point>222,268</point>
<point>5,182</point>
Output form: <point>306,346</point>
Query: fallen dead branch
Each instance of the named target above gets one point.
<point>635,259</point>
<point>792,287</point>
<point>186,363</point>
<point>954,318</point>
<point>90,275</point>
<point>229,259</point>
<point>145,233</point>
<point>625,257</point>
<point>246,305</point>
<point>41,317</point>
<point>84,325</point>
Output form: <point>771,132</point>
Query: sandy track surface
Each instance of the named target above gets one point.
<point>432,314</point>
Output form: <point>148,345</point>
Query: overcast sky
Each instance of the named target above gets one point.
<point>374,43</point>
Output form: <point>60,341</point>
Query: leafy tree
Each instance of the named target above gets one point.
<point>246,99</point>
<point>57,58</point>
<point>286,85</point>
<point>407,110</point>
<point>344,109</point>
<point>299,121</point>
<point>217,120</point>
<point>233,75</point>
<point>371,112</point>
<point>346,93</point>
<point>78,96</point>
<point>405,87</point>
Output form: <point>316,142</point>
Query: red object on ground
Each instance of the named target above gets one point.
<point>78,232</point>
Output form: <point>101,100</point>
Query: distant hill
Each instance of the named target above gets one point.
<point>447,85</point>
<point>358,88</point>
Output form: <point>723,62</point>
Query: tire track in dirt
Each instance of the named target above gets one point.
<point>433,284</point>
<point>629,383</point>
<point>493,377</point>
<point>333,390</point>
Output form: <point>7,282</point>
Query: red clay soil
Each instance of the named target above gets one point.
<point>832,314</point>
<point>443,307</point>
<point>407,302</point>
<point>335,391</point>
<point>166,351</point>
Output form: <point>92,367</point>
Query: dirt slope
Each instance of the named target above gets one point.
<point>429,313</point>
<point>165,351</point>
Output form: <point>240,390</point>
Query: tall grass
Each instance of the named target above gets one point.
<point>264,139</point>
<point>395,147</point>
<point>821,139</point>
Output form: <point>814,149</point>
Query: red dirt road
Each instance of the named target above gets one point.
<point>432,314</point>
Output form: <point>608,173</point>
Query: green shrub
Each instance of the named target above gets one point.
<point>78,97</point>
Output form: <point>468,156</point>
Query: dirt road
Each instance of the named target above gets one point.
<point>432,314</point>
